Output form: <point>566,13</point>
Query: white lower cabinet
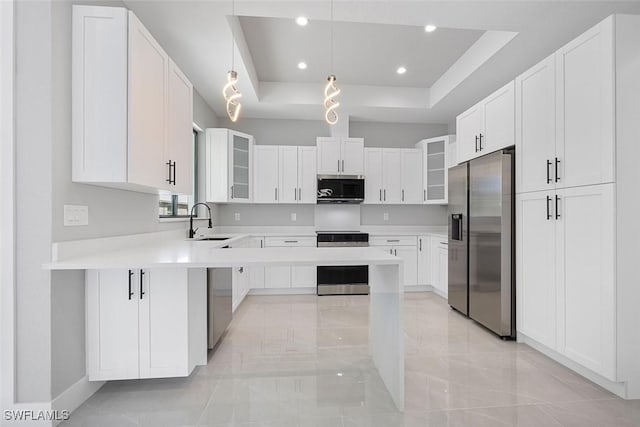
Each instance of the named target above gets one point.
<point>240,278</point>
<point>145,323</point>
<point>406,248</point>
<point>256,274</point>
<point>282,277</point>
<point>566,273</point>
<point>424,260</point>
<point>439,254</point>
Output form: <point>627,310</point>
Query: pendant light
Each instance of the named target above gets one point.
<point>230,92</point>
<point>331,91</point>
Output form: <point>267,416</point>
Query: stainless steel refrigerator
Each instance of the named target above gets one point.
<point>481,241</point>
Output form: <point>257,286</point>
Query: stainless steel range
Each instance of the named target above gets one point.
<point>343,279</point>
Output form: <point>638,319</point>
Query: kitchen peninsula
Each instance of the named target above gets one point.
<point>179,264</point>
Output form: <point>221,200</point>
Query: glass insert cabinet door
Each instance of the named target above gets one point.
<point>240,161</point>
<point>436,171</point>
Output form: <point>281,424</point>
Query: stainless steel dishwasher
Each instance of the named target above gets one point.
<point>219,291</point>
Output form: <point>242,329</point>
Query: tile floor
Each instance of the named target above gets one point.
<point>302,361</point>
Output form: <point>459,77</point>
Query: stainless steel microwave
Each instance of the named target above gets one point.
<point>340,189</point>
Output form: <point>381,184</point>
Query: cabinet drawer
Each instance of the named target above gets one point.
<point>392,241</point>
<point>304,241</point>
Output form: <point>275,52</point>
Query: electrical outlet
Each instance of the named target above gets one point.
<point>385,216</point>
<point>294,216</point>
<point>76,215</point>
<point>237,216</point>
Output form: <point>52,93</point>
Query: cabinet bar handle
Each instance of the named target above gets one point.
<point>174,173</point>
<point>403,195</point>
<point>299,193</point>
<point>276,195</point>
<point>261,243</point>
<point>343,166</point>
<point>420,243</point>
<point>295,194</point>
<point>480,142</point>
<point>169,164</point>
<point>557,164</point>
<point>393,240</point>
<point>548,213</point>
<point>424,196</point>
<point>381,194</point>
<point>130,276</point>
<point>444,243</point>
<point>291,241</point>
<point>232,191</point>
<point>548,176</point>
<point>476,143</point>
<point>557,211</point>
<point>141,283</point>
<point>338,165</point>
<point>385,194</point>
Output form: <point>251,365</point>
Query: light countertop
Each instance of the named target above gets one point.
<point>199,254</point>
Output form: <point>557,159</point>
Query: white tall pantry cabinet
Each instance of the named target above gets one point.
<point>132,107</point>
<point>577,133</point>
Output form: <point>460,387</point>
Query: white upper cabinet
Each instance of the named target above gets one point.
<point>179,145</point>
<point>498,120</point>
<point>393,176</point>
<point>307,176</point>
<point>229,162</point>
<point>288,172</point>
<point>284,174</point>
<point>411,172</point>
<point>130,106</point>
<point>340,156</point>
<point>487,126</point>
<point>565,115</point>
<point>148,95</point>
<point>373,175</point>
<point>436,155</point>
<point>468,129</point>
<point>585,108</point>
<point>265,174</point>
<point>352,162</point>
<point>536,127</point>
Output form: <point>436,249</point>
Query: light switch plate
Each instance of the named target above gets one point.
<point>237,216</point>
<point>385,216</point>
<point>76,215</point>
<point>294,216</point>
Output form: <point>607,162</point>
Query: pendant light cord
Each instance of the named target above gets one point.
<point>233,15</point>
<point>331,62</point>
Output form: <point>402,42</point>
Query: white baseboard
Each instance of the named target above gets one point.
<point>418,288</point>
<point>438,292</point>
<point>283,291</point>
<point>76,395</point>
<point>618,388</point>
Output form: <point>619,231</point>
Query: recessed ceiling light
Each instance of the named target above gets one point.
<point>430,28</point>
<point>302,65</point>
<point>401,70</point>
<point>302,21</point>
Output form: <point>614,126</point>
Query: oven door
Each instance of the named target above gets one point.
<point>343,280</point>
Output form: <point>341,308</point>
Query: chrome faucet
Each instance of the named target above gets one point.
<point>192,232</point>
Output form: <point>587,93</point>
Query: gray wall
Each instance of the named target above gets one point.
<point>50,307</point>
<point>280,132</point>
<point>33,89</point>
<point>305,132</point>
<point>404,135</point>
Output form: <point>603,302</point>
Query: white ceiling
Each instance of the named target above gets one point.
<point>364,53</point>
<point>513,35</point>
